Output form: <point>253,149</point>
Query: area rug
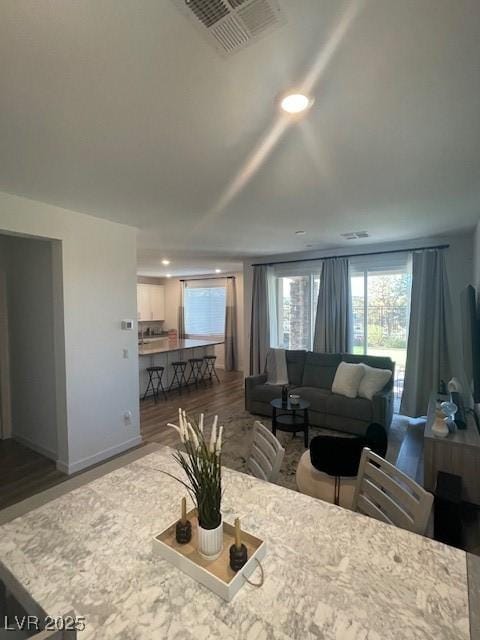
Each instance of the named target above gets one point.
<point>238,433</point>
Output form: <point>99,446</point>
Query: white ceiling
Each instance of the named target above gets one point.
<point>124,111</point>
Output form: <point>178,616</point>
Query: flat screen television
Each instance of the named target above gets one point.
<point>471,339</point>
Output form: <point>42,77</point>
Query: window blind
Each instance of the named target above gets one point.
<point>205,309</point>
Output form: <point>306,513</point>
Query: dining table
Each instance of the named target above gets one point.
<point>329,573</point>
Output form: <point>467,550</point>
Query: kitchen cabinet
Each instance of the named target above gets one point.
<point>150,302</point>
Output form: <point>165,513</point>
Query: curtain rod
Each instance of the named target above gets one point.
<point>351,255</point>
<point>207,278</point>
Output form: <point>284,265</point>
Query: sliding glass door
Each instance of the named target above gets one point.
<point>380,302</point>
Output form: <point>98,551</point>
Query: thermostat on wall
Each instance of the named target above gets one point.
<point>127,325</point>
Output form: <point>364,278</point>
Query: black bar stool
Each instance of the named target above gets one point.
<point>209,370</point>
<point>178,375</point>
<point>195,374</point>
<point>155,375</point>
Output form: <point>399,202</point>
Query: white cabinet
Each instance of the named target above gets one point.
<point>157,301</point>
<point>143,302</point>
<point>150,302</point>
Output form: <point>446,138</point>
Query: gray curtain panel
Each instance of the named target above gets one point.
<point>333,308</point>
<point>260,320</point>
<point>231,355</point>
<point>429,349</point>
<point>181,311</point>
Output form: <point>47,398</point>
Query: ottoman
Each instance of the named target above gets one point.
<point>329,469</point>
<point>319,484</point>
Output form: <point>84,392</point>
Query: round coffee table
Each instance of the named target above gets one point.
<point>292,417</point>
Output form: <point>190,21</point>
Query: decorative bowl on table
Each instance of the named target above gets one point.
<point>294,399</point>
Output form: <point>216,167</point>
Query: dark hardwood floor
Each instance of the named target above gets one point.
<point>213,398</point>
<point>23,472</point>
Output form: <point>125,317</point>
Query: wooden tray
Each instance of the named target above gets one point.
<point>214,574</point>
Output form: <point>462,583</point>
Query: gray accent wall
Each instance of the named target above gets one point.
<point>476,257</point>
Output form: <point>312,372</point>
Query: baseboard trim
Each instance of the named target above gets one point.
<point>74,467</point>
<point>26,442</point>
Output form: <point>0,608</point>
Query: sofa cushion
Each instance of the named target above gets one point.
<point>356,408</point>
<point>373,381</point>
<point>377,362</point>
<point>347,379</point>
<point>266,392</point>
<point>316,397</point>
<point>295,365</point>
<point>320,369</point>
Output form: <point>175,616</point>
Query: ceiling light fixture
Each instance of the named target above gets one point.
<point>169,275</point>
<point>300,232</point>
<point>294,103</point>
<point>218,271</point>
<point>165,262</point>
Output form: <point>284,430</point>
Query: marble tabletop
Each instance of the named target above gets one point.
<point>329,573</point>
<point>165,345</point>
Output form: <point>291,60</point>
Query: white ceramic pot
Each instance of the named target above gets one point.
<point>210,541</point>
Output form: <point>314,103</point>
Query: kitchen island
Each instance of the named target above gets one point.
<point>329,573</point>
<point>164,351</point>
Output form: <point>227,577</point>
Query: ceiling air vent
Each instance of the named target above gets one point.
<point>231,25</point>
<point>355,235</point>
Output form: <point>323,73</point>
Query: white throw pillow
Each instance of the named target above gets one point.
<point>373,381</point>
<point>347,379</point>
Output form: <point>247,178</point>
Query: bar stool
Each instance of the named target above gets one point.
<point>209,370</point>
<point>155,375</point>
<point>178,375</point>
<point>195,374</point>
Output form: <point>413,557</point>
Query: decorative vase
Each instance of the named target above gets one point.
<point>440,429</point>
<point>210,541</point>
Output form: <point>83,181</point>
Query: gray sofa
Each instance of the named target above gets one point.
<point>311,375</point>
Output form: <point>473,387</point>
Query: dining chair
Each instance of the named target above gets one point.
<point>266,454</point>
<point>387,494</point>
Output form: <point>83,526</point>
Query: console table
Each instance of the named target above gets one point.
<point>457,453</point>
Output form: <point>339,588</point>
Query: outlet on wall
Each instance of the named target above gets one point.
<point>127,417</point>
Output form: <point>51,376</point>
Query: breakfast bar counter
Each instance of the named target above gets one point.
<point>165,345</point>
<point>164,351</point>
<point>329,573</point>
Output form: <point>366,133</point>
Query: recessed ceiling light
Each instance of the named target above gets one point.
<point>300,232</point>
<point>169,275</point>
<point>165,262</point>
<point>218,271</point>
<point>295,103</point>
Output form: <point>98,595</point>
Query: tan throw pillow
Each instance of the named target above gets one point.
<point>373,381</point>
<point>347,379</point>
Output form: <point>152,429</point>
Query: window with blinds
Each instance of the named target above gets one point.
<point>205,310</point>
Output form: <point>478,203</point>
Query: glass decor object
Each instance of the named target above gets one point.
<point>449,409</point>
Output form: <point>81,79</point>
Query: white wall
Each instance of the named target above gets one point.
<point>172,301</point>
<point>30,311</point>
<point>94,271</point>
<point>459,262</point>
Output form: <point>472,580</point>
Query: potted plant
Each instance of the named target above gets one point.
<point>201,462</point>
